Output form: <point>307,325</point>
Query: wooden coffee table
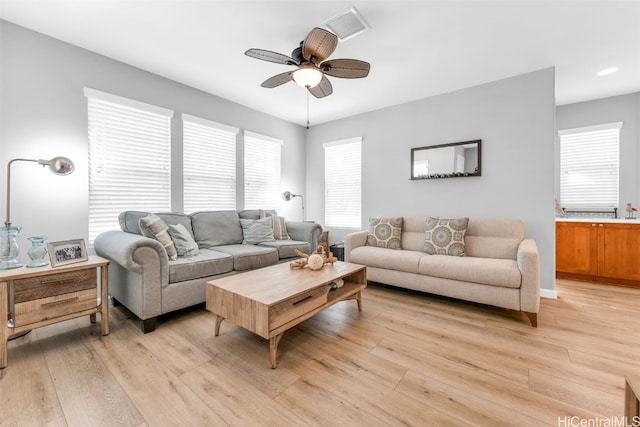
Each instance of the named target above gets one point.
<point>271,300</point>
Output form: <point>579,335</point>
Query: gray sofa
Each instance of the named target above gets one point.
<point>149,284</point>
<point>501,266</point>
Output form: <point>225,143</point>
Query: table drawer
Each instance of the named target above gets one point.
<point>34,288</point>
<point>29,312</point>
<point>294,307</point>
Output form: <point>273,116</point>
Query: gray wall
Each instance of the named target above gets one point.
<point>514,118</point>
<point>625,109</point>
<point>44,114</point>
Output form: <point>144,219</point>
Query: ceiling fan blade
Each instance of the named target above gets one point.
<point>267,55</point>
<point>277,80</point>
<point>318,45</point>
<point>323,88</point>
<point>346,68</point>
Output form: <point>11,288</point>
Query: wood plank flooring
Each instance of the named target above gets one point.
<point>406,359</point>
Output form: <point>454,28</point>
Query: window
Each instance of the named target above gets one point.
<point>262,161</point>
<point>129,159</point>
<point>209,165</point>
<point>342,183</point>
<point>589,159</point>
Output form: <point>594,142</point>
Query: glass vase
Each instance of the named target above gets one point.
<point>9,248</point>
<point>37,252</point>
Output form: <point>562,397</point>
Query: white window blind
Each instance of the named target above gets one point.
<point>342,183</point>
<point>262,164</point>
<point>209,163</point>
<point>589,166</point>
<point>129,159</point>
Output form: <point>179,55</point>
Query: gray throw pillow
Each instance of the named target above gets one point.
<point>182,239</point>
<point>257,230</point>
<point>154,227</point>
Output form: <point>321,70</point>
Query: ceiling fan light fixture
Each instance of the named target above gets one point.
<point>307,76</point>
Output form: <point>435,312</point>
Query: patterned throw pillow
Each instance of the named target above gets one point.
<point>279,225</point>
<point>153,226</point>
<point>257,230</point>
<point>385,233</point>
<point>183,241</point>
<point>445,236</point>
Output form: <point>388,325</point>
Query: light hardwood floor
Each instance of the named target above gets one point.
<point>406,359</point>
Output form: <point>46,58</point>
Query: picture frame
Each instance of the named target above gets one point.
<point>67,252</point>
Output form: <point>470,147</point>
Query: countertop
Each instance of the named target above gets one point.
<point>603,220</point>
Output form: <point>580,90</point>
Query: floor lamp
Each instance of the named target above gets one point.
<point>9,248</point>
<point>288,195</point>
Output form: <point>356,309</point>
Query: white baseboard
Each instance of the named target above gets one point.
<point>548,293</point>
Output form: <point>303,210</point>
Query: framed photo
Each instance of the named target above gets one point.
<point>67,252</point>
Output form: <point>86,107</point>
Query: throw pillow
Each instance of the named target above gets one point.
<point>257,230</point>
<point>445,236</point>
<point>153,226</point>
<point>279,225</point>
<point>385,233</point>
<point>183,241</point>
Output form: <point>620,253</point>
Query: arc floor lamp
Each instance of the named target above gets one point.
<point>288,195</point>
<point>9,249</point>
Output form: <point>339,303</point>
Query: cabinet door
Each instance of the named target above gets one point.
<point>618,246</point>
<point>577,248</point>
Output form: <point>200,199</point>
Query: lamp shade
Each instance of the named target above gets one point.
<point>307,76</point>
<point>59,165</point>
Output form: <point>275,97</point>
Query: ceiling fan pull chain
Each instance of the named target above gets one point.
<point>307,107</point>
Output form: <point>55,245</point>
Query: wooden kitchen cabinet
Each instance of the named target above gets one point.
<point>598,252</point>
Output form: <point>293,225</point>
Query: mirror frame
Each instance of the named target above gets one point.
<point>452,174</point>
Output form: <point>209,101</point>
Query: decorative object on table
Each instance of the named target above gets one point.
<point>67,252</point>
<point>631,211</point>
<point>288,195</point>
<point>559,210</point>
<point>9,249</point>
<point>37,252</point>
<point>316,260</point>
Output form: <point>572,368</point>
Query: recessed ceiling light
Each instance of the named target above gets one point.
<point>607,71</point>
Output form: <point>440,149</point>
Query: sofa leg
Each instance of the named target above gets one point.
<point>533,318</point>
<point>148,325</point>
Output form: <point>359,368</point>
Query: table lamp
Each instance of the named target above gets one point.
<point>9,248</point>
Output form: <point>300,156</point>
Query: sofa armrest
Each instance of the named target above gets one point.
<point>352,241</point>
<point>138,272</point>
<point>305,232</point>
<point>528,260</point>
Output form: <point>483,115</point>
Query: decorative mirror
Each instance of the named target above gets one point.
<point>457,159</point>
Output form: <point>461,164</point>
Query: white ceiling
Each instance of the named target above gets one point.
<point>416,49</point>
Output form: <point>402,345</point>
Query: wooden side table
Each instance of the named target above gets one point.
<point>34,297</point>
<point>632,399</point>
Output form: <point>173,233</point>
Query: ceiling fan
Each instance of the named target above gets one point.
<point>312,69</point>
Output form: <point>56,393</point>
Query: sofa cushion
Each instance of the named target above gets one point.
<point>487,271</point>
<point>400,260</point>
<point>256,231</point>
<point>248,257</point>
<point>215,228</point>
<point>279,225</point>
<point>445,236</point>
<point>494,237</point>
<point>154,227</point>
<point>183,240</point>
<point>385,233</point>
<point>206,263</point>
<point>287,248</point>
<point>130,221</point>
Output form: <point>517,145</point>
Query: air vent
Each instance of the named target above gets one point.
<point>347,24</point>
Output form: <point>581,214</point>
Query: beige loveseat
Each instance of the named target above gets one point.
<point>144,279</point>
<point>501,267</point>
